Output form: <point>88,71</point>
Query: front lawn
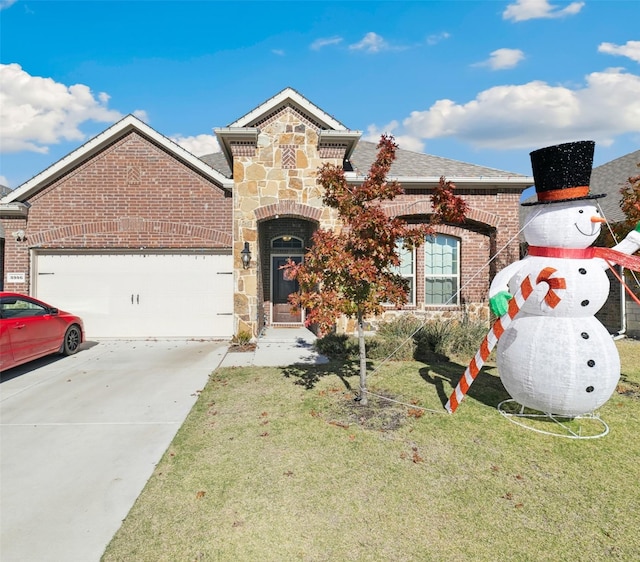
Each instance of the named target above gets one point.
<point>283,465</point>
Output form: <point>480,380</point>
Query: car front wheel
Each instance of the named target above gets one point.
<point>72,340</point>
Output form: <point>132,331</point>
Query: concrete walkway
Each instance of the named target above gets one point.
<point>278,347</point>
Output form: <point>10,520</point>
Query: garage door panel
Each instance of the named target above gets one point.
<point>141,295</point>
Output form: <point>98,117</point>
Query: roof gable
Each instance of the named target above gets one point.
<point>289,98</point>
<point>98,143</point>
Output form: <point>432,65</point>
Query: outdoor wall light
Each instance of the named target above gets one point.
<point>246,256</point>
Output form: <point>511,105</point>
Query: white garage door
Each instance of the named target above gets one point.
<point>141,295</point>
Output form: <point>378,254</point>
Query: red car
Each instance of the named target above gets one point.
<point>30,328</point>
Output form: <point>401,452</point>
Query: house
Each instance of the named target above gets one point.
<point>144,239</point>
<point>620,314</point>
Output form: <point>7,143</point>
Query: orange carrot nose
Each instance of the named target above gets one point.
<point>598,219</point>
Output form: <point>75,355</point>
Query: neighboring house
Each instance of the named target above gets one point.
<point>143,239</point>
<point>620,314</point>
<point>4,190</point>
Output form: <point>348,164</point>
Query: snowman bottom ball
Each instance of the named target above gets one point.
<point>563,366</point>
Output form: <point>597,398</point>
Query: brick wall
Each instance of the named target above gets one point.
<point>132,195</point>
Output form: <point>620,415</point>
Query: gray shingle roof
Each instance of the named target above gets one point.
<point>609,178</point>
<point>417,164</point>
<point>407,164</point>
<point>218,162</point>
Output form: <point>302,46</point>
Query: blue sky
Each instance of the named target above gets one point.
<point>482,82</point>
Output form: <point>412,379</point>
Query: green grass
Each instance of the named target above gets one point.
<point>279,465</point>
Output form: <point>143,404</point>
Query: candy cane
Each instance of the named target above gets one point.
<point>491,339</point>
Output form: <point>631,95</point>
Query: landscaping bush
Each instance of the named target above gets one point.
<point>395,339</point>
<point>337,346</point>
<point>406,338</point>
<point>433,338</point>
<point>466,336</point>
<point>459,338</point>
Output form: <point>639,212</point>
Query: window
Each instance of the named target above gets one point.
<point>15,307</point>
<point>406,269</point>
<point>441,270</point>
<point>286,242</point>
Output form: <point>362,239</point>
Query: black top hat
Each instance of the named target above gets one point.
<point>562,172</point>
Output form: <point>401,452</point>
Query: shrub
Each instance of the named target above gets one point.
<point>393,347</point>
<point>243,337</point>
<point>337,346</point>
<point>404,326</point>
<point>407,337</point>
<point>395,339</point>
<point>433,337</point>
<point>466,336</point>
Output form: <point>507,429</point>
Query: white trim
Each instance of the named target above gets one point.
<point>525,181</point>
<point>97,143</point>
<point>280,98</point>
<point>456,275</point>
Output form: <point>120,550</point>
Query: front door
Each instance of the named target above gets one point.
<point>280,291</point>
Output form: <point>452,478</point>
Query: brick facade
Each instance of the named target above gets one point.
<point>131,196</point>
<point>135,190</point>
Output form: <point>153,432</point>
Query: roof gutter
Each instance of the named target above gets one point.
<point>14,210</point>
<point>525,181</point>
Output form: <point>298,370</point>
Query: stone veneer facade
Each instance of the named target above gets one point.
<point>274,178</point>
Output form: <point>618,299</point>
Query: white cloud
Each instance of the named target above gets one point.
<point>4,181</point>
<point>370,43</point>
<point>523,10</point>
<point>4,4</point>
<point>36,112</point>
<point>437,38</point>
<point>630,49</point>
<point>325,42</point>
<point>142,115</point>
<point>407,142</point>
<point>536,113</point>
<point>278,52</point>
<point>198,145</point>
<point>502,59</point>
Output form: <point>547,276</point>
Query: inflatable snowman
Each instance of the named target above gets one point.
<point>558,358</point>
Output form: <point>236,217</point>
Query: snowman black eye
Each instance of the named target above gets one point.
<point>581,211</point>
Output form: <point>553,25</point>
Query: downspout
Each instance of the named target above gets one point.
<point>623,310</point>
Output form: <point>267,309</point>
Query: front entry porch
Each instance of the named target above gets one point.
<point>281,239</point>
<point>281,288</point>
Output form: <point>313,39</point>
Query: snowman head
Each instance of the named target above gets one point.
<point>571,224</point>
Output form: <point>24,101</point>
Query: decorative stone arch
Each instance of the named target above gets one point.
<point>288,209</point>
<point>131,225</point>
<point>426,208</point>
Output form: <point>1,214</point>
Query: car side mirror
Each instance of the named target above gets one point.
<point>53,311</point>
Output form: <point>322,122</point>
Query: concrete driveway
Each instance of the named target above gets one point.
<point>80,436</point>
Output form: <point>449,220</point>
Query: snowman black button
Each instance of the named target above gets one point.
<point>582,271</point>
<point>584,335</point>
<point>589,389</point>
<point>584,303</point>
<point>591,363</point>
